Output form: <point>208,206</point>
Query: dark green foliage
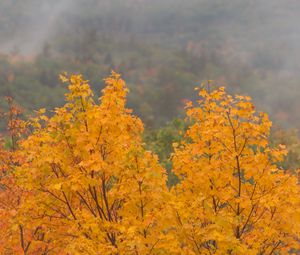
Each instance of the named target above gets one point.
<point>161,140</point>
<point>290,139</point>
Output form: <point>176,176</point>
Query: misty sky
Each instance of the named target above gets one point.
<point>249,25</point>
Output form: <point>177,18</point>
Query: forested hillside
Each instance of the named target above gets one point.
<point>163,48</point>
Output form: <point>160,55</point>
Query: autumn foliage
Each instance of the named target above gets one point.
<point>242,202</point>
<point>82,182</point>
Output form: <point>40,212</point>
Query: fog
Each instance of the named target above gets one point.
<point>260,38</point>
<point>250,27</point>
<point>32,25</point>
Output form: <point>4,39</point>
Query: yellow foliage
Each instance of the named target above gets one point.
<point>96,190</point>
<point>83,183</point>
<point>232,198</point>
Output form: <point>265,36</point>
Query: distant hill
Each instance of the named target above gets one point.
<point>163,48</point>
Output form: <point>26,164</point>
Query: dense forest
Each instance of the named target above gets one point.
<point>163,48</point>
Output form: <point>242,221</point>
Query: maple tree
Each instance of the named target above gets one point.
<point>96,190</point>
<point>232,197</point>
<point>15,236</point>
<point>9,193</point>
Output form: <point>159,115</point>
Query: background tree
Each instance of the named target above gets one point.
<point>17,236</point>
<point>291,140</point>
<point>232,197</point>
<point>161,142</point>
